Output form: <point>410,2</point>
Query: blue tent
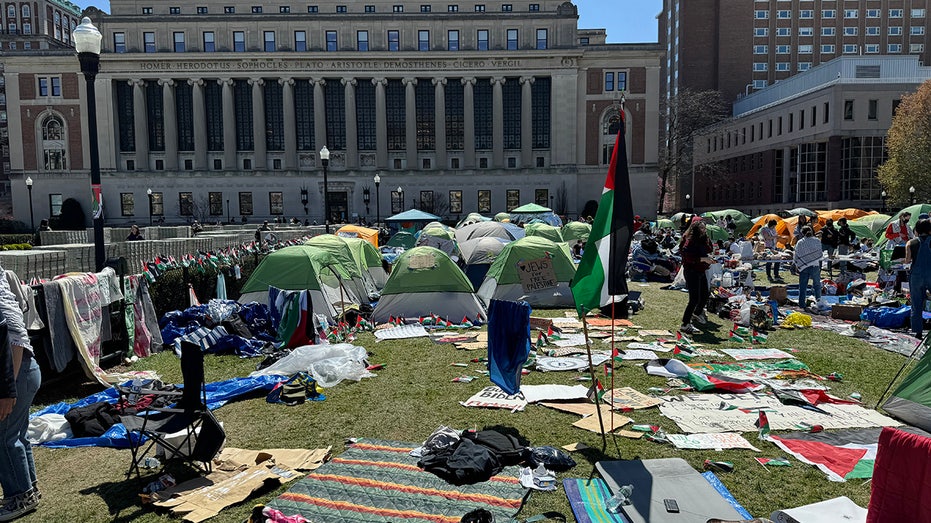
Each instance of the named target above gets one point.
<point>411,221</point>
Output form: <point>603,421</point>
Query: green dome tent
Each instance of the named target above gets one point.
<point>531,211</point>
<point>876,223</point>
<point>340,250</point>
<point>502,217</point>
<point>543,230</point>
<point>716,233</point>
<point>295,268</point>
<point>368,261</point>
<point>742,220</point>
<point>425,281</point>
<point>576,231</point>
<point>402,239</point>
<point>503,281</point>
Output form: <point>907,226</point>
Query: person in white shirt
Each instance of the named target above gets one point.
<point>770,237</point>
<point>807,258</point>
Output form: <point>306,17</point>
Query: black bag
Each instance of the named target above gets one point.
<point>505,447</point>
<point>235,325</point>
<point>92,420</point>
<point>465,464</point>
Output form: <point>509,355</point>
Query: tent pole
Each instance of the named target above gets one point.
<point>908,360</point>
<point>591,370</point>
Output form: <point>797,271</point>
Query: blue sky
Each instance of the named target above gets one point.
<point>625,20</point>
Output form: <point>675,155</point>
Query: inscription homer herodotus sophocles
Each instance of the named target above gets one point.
<point>272,64</point>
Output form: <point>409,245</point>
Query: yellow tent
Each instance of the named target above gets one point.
<point>354,231</point>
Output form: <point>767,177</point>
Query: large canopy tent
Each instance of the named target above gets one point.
<point>411,221</point>
<point>742,220</point>
<point>531,211</point>
<point>544,230</point>
<point>478,254</point>
<point>505,231</point>
<point>297,268</point>
<point>504,281</point>
<point>355,231</point>
<point>425,281</point>
<point>340,250</point>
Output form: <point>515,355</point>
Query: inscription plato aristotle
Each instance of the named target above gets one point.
<point>328,65</point>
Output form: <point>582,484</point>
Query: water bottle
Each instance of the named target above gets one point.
<point>622,497</point>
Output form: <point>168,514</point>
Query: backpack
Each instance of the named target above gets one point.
<point>505,447</point>
<point>295,390</point>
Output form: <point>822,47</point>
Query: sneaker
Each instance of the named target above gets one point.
<point>688,328</point>
<point>18,506</point>
<point>700,319</point>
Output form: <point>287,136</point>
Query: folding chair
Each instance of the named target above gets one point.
<point>202,436</point>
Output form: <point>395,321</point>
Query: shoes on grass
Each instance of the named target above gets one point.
<point>700,319</point>
<point>19,505</point>
<point>688,328</point>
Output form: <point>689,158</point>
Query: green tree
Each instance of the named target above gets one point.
<point>909,145</point>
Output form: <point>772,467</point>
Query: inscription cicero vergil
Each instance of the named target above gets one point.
<point>329,65</point>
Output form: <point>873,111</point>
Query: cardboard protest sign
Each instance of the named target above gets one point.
<point>628,398</point>
<point>537,275</point>
<point>719,441</point>
<point>495,398</point>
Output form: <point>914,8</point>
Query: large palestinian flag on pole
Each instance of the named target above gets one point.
<point>601,278</point>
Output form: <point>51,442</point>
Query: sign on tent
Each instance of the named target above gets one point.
<point>537,275</point>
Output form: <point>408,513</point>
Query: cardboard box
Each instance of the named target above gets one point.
<point>843,311</point>
<point>778,294</point>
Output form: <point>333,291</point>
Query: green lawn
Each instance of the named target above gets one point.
<point>414,394</point>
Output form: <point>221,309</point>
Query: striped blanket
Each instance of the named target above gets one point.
<point>378,481</point>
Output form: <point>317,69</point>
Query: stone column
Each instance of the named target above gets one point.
<point>352,132</point>
<point>381,124</point>
<point>526,122</point>
<point>319,115</point>
<point>260,159</point>
<point>468,124</point>
<point>439,119</point>
<point>497,119</point>
<point>229,125</point>
<point>290,123</point>
<point>200,123</point>
<point>140,125</point>
<point>410,122</point>
<point>170,118</point>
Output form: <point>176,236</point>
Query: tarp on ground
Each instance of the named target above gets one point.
<point>355,231</point>
<point>296,268</point>
<point>340,250</point>
<point>544,230</point>
<point>425,281</point>
<point>506,231</point>
<point>515,275</point>
<point>911,401</point>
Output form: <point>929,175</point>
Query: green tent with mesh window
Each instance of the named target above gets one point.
<point>514,275</point>
<point>424,281</point>
<point>911,401</point>
<point>368,261</point>
<point>339,248</point>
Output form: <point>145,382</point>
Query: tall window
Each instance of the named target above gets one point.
<point>300,41</point>
<point>275,203</point>
<point>513,199</point>
<point>483,114</point>
<point>455,116</point>
<point>27,13</point>
<point>215,201</point>
<point>394,98</point>
<point>335,99</point>
<point>426,116</point>
<point>245,203</point>
<point>540,112</point>
<point>512,39</point>
<point>274,116</point>
<point>43,86</point>
<point>542,39</point>
<point>242,105</point>
<point>848,109</point>
<point>213,102</point>
<point>812,171</point>
<point>512,110</point>
<point>179,42</point>
<point>423,40</point>
<point>452,40</point>
<point>365,116</point>
<point>455,202</point>
<point>53,143</point>
<point>239,41</point>
<point>362,40</point>
<point>269,37</point>
<point>186,203</point>
<point>119,42</point>
<point>331,42</point>
<point>609,81</point>
<point>394,40</point>
<point>127,204</point>
<point>860,157</point>
<point>482,40</point>
<point>484,200</point>
<point>304,115</point>
<point>148,40</point>
<point>125,117</point>
<point>184,115</point>
<point>210,42</point>
<point>871,113</point>
<point>54,203</point>
<point>156,116</point>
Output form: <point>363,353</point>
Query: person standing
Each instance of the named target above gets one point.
<point>918,254</point>
<point>19,381</point>
<point>770,240</point>
<point>898,232</point>
<point>731,227</point>
<point>829,242</point>
<point>134,234</point>
<point>695,248</point>
<point>845,239</point>
<point>807,258</point>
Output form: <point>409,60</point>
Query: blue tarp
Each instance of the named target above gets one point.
<point>219,393</point>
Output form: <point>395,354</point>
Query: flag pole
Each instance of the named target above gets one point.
<point>591,370</point>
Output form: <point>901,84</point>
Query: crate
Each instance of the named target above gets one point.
<point>849,312</point>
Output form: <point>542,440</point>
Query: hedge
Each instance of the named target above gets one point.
<point>170,291</point>
<point>9,239</point>
<point>16,247</point>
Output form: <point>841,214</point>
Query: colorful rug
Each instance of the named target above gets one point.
<point>377,481</point>
<point>587,499</point>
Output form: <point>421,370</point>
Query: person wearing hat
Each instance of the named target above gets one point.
<point>695,248</point>
<point>918,254</point>
<point>807,258</point>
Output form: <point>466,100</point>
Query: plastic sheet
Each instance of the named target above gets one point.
<point>221,310</point>
<point>552,458</point>
<point>328,364</point>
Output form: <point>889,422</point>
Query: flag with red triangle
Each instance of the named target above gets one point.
<point>762,423</point>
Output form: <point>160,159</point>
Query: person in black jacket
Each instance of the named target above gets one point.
<point>829,241</point>
<point>845,237</point>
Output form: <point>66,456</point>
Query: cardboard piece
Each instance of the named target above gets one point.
<point>575,447</point>
<point>591,422</point>
<point>237,474</point>
<point>495,398</point>
<point>829,511</point>
<point>537,275</point>
<point>843,311</point>
<point>539,323</point>
<point>586,408</point>
<point>628,398</point>
<point>778,294</point>
<point>472,345</point>
<point>632,434</point>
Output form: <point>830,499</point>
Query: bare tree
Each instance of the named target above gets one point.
<point>682,116</point>
<point>440,204</point>
<point>561,203</point>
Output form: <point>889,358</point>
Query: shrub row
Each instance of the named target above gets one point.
<point>170,290</point>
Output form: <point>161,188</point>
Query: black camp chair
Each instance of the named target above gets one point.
<point>203,437</point>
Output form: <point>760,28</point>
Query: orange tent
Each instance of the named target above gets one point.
<point>783,230</point>
<point>837,214</point>
<point>354,231</point>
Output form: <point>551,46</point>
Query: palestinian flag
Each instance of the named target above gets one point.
<point>762,423</point>
<point>150,272</point>
<point>596,391</point>
<point>706,382</point>
<point>541,340</point>
<point>551,334</point>
<point>734,336</point>
<point>842,455</point>
<point>740,331</point>
<point>758,337</point>
<point>608,369</point>
<point>774,462</point>
<point>600,279</point>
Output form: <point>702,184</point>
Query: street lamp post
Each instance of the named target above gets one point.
<point>325,160</point>
<point>229,217</point>
<point>305,199</point>
<point>911,193</point>
<point>688,202</point>
<point>32,218</point>
<point>377,200</point>
<point>883,195</point>
<point>86,40</point>
<point>148,193</point>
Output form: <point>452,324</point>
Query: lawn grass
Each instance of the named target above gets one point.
<point>414,394</point>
